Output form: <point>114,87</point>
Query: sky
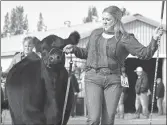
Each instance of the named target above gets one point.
<point>56,12</point>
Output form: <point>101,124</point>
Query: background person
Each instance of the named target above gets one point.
<point>28,46</point>
<point>141,89</point>
<point>160,95</point>
<point>125,85</point>
<point>76,90</point>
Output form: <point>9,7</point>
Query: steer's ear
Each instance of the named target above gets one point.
<point>37,44</point>
<point>73,38</point>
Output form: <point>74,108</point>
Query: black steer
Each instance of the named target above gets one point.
<point>36,86</point>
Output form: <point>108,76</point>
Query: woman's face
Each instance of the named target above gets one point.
<point>108,21</point>
<point>28,47</point>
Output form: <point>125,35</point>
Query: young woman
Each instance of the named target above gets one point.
<point>105,54</point>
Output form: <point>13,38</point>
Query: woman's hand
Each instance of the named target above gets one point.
<point>68,49</point>
<point>158,33</point>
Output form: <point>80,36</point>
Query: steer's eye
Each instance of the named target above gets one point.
<point>53,44</point>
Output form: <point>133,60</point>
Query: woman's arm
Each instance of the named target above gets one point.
<point>81,53</point>
<point>135,48</point>
<point>10,66</point>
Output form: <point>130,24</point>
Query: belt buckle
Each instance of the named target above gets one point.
<point>105,71</point>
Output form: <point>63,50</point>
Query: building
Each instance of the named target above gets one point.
<point>13,44</point>
<point>140,26</point>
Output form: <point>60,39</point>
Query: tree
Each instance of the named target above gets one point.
<point>17,23</point>
<point>20,19</point>
<point>13,20</point>
<point>92,14</point>
<point>6,27</point>
<point>40,24</point>
<point>2,35</point>
<point>17,20</point>
<point>125,12</point>
<point>25,23</point>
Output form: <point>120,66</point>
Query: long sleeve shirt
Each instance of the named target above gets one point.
<point>160,90</point>
<point>17,58</point>
<point>116,50</point>
<point>142,84</point>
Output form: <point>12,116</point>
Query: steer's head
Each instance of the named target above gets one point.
<point>51,48</point>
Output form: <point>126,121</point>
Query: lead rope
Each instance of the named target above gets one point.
<point>67,90</point>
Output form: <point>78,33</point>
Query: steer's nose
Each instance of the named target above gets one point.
<point>51,59</point>
<point>58,57</point>
<point>54,58</point>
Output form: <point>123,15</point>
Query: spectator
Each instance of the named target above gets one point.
<point>125,85</point>
<point>141,89</point>
<point>160,95</point>
<point>75,85</point>
<point>139,110</point>
<point>28,45</point>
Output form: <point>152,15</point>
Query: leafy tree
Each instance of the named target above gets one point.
<point>40,24</point>
<point>25,23</point>
<point>6,27</point>
<point>2,35</point>
<point>13,20</point>
<point>92,14</point>
<point>125,12</point>
<point>20,19</point>
<point>18,22</point>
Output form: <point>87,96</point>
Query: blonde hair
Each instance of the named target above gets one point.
<point>29,39</point>
<point>117,13</point>
<point>119,29</point>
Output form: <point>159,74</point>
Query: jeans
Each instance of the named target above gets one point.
<point>142,100</point>
<point>103,92</point>
<point>120,108</point>
<point>159,106</point>
<point>73,110</point>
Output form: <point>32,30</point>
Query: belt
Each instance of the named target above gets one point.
<point>105,71</point>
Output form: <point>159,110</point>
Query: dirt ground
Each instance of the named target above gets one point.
<point>81,120</point>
